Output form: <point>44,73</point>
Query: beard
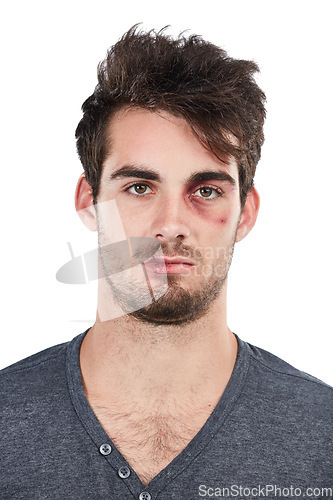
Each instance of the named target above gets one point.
<point>179,305</point>
<point>176,304</point>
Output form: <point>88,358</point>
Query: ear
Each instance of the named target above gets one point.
<point>249,214</point>
<point>84,203</point>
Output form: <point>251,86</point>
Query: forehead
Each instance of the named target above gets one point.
<point>161,141</point>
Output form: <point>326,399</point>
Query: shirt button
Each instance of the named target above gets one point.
<point>124,472</point>
<point>145,496</point>
<point>105,449</point>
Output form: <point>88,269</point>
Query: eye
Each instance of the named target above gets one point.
<point>208,192</point>
<point>138,189</point>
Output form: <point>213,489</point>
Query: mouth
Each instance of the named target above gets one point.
<point>169,265</point>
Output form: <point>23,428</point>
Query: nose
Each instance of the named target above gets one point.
<point>169,222</point>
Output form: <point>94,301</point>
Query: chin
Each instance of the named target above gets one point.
<point>179,306</point>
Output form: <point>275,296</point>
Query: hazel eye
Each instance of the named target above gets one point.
<point>208,192</point>
<point>139,189</point>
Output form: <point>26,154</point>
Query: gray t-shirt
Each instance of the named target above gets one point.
<point>270,436</point>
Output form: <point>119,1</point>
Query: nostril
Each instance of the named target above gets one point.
<point>169,236</point>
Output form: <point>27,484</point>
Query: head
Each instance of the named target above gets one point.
<point>189,78</point>
<point>185,120</point>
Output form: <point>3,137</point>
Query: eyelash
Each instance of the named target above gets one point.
<point>217,190</point>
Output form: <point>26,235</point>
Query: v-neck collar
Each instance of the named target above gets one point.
<point>202,439</point>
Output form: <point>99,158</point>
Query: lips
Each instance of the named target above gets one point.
<point>169,261</point>
<point>169,265</point>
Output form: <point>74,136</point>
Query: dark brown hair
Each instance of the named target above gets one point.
<point>188,77</point>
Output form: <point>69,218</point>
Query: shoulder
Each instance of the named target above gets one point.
<point>281,382</point>
<point>33,360</point>
<point>273,363</point>
<point>32,374</point>
<point>41,362</point>
<point>35,389</point>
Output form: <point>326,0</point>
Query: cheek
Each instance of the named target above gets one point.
<point>219,213</point>
<point>222,216</point>
<point>217,228</point>
<point>214,217</point>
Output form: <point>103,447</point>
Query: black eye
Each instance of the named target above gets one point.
<point>206,191</point>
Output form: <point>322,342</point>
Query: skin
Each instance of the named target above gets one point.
<point>151,362</point>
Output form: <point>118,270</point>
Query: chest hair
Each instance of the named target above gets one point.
<point>151,436</point>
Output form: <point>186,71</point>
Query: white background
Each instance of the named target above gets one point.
<point>280,286</point>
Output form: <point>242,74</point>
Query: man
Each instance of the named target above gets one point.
<point>159,399</point>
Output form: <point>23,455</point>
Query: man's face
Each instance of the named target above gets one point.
<point>168,186</point>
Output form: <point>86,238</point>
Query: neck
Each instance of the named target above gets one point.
<point>128,358</point>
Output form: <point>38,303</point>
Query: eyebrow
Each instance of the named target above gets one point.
<point>135,171</point>
<point>211,175</point>
<point>143,172</point>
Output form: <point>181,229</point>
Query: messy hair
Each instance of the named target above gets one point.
<point>187,77</point>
